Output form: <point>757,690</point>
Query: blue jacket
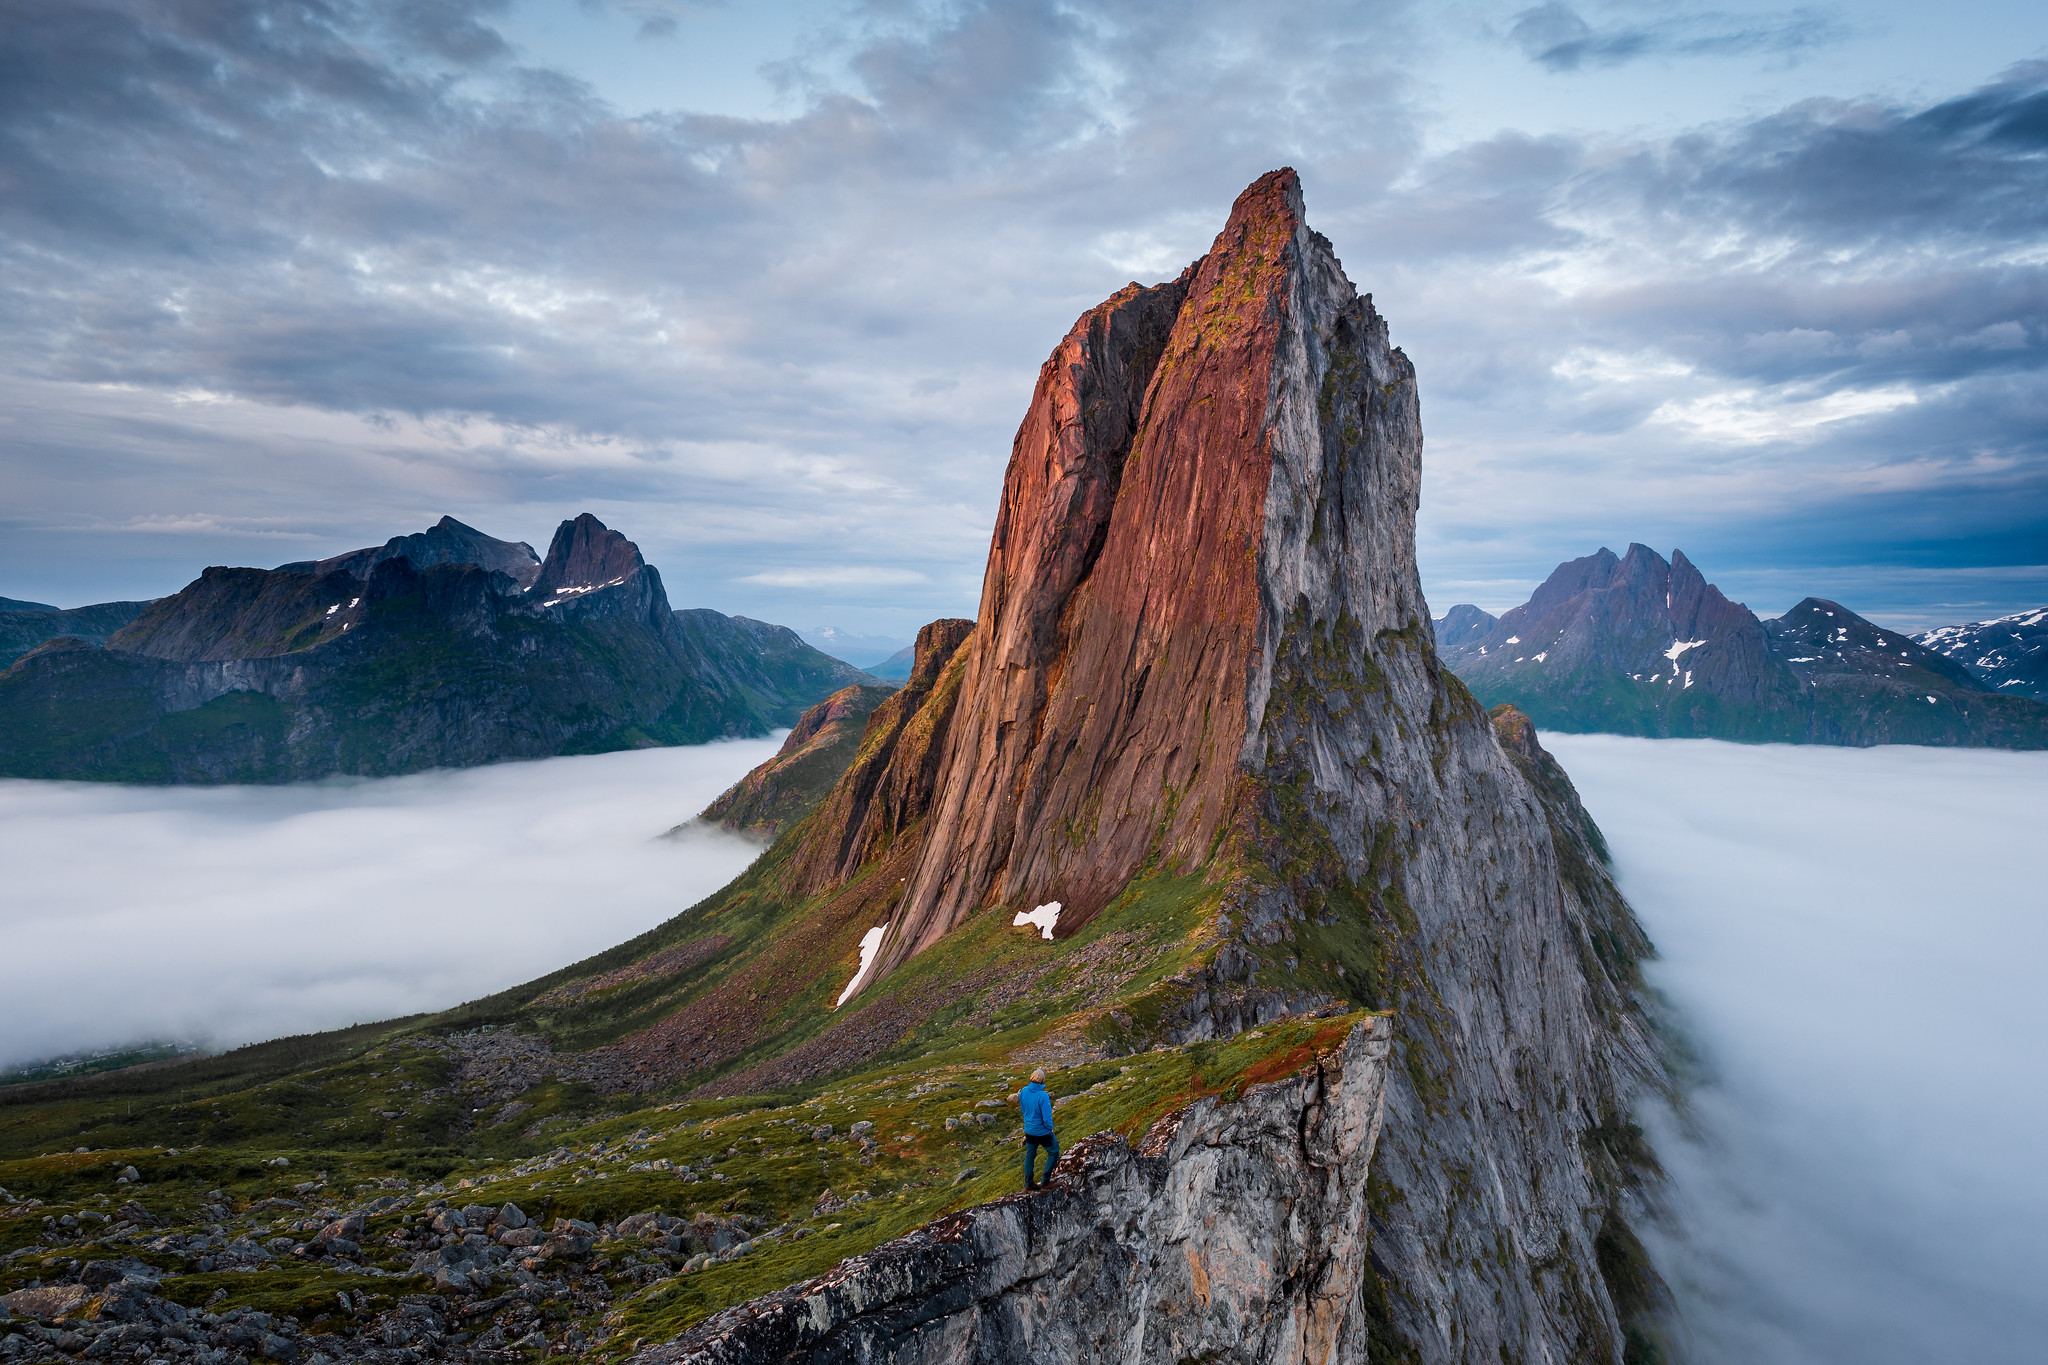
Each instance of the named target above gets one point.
<point>1037,1107</point>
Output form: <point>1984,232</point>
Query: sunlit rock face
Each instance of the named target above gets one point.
<point>1203,647</point>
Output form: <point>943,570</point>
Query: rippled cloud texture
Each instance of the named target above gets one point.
<point>237,914</point>
<point>1853,938</point>
<point>282,279</point>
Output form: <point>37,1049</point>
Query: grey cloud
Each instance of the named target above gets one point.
<point>1556,36</point>
<point>741,327</point>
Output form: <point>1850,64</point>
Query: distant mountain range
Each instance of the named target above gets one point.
<point>2008,655</point>
<point>24,625</point>
<point>1637,645</point>
<point>448,648</point>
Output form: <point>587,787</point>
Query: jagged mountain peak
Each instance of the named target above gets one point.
<point>1108,702</point>
<point>1636,644</point>
<point>586,554</point>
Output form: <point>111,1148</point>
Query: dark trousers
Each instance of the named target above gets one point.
<point>1032,1143</point>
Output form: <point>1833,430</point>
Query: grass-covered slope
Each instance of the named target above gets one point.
<point>790,785</point>
<point>646,1215</point>
<point>24,625</point>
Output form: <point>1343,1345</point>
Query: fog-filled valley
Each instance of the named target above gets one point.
<point>227,915</point>
<point>1851,940</point>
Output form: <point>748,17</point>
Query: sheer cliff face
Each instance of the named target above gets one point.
<point>1241,680</point>
<point>1183,445</point>
<point>1232,1231</point>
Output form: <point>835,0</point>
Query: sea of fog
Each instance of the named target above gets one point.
<point>231,914</point>
<point>1854,940</point>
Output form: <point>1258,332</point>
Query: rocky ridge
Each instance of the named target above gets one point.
<point>377,663</point>
<point>789,786</point>
<point>1233,1230</point>
<point>24,625</point>
<point>2008,655</point>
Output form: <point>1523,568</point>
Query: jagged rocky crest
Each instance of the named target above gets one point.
<point>1203,649</point>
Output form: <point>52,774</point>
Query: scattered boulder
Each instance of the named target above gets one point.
<point>48,1302</point>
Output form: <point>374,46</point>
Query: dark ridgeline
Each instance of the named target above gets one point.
<point>444,649</point>
<point>1636,645</point>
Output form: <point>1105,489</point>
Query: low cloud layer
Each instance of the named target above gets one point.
<point>1852,940</point>
<point>318,274</point>
<point>231,915</point>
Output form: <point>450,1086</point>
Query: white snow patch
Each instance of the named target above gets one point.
<point>1930,701</point>
<point>1539,658</point>
<point>870,944</point>
<point>333,609</point>
<point>1045,916</point>
<point>1514,639</point>
<point>1679,647</point>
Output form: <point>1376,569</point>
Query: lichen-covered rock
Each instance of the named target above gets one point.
<point>1234,1232</point>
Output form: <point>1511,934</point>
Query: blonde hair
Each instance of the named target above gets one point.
<point>1039,1075</point>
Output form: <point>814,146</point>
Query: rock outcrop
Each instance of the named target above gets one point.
<point>1641,646</point>
<point>377,663</point>
<point>1203,651</point>
<point>790,785</point>
<point>1233,1232</point>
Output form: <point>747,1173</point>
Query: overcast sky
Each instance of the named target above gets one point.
<point>766,287</point>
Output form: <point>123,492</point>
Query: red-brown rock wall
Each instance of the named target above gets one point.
<point>1102,718</point>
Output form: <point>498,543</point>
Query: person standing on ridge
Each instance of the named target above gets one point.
<point>1037,1107</point>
